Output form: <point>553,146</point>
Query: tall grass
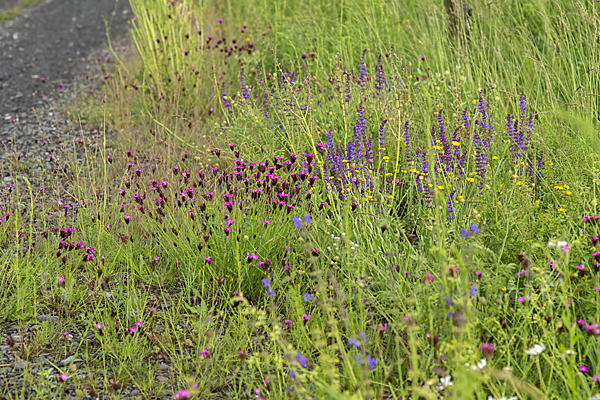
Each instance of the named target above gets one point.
<point>275,238</point>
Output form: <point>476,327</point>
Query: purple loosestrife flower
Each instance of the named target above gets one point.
<point>407,143</point>
<point>382,136</point>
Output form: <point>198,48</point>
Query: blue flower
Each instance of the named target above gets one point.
<point>297,222</point>
<point>307,219</point>
<point>474,228</point>
<point>450,314</point>
<point>358,360</point>
<point>270,292</point>
<point>266,282</point>
<point>449,301</point>
<point>364,337</point>
<point>474,291</point>
<point>371,361</point>
<point>354,342</point>
<point>292,373</point>
<point>464,233</point>
<point>301,359</point>
<point>306,297</point>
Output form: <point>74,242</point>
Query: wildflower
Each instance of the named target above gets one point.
<point>251,256</point>
<point>301,359</point>
<point>473,291</point>
<point>354,342</point>
<point>536,350</point>
<point>583,368</point>
<point>305,317</point>
<point>204,352</point>
<point>488,350</point>
<point>292,373</point>
<point>596,378</point>
<point>371,362</point>
<point>445,382</point>
<point>428,277</point>
<point>306,297</point>
<point>287,321</point>
<point>297,222</point>
<point>139,323</point>
<point>480,365</point>
<point>207,260</point>
<point>61,281</point>
<point>63,377</point>
<point>133,329</point>
<point>182,394</point>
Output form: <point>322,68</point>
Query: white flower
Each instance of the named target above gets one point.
<point>595,397</point>
<point>480,365</point>
<point>536,350</point>
<point>560,244</point>
<point>444,383</point>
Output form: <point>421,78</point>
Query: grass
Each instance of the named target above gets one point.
<point>15,11</point>
<point>291,216</point>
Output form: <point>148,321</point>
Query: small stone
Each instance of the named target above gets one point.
<point>8,179</point>
<point>67,360</point>
<point>21,364</point>
<point>47,317</point>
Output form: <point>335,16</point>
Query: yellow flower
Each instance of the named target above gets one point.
<point>499,203</point>
<point>566,186</point>
<point>390,197</point>
<point>561,210</point>
<point>461,197</point>
<point>494,157</point>
<point>247,39</point>
<point>386,158</point>
<point>455,143</point>
<point>389,174</point>
<point>568,193</point>
<point>504,288</point>
<point>550,163</point>
<point>471,180</point>
<point>520,183</point>
<point>558,187</point>
<point>440,187</point>
<point>430,185</point>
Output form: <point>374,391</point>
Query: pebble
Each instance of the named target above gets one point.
<point>67,360</point>
<point>49,318</point>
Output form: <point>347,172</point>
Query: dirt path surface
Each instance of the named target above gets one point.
<point>51,41</point>
<point>56,42</point>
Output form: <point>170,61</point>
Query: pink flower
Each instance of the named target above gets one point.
<point>521,299</point>
<point>204,352</point>
<point>138,323</point>
<point>63,377</point>
<point>596,378</point>
<point>287,321</point>
<point>565,249</point>
<point>383,328</point>
<point>133,329</point>
<point>597,289</point>
<point>583,368</point>
<point>305,317</point>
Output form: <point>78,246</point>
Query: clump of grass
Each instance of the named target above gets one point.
<point>15,11</point>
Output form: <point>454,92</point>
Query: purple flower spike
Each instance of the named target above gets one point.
<point>297,222</point>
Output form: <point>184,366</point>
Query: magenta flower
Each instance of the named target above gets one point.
<point>207,260</point>
<point>204,352</point>
<point>133,329</point>
<point>521,299</point>
<point>287,321</point>
<point>63,377</point>
<point>138,323</point>
<point>583,368</point>
<point>596,378</point>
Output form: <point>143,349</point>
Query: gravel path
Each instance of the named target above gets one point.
<point>43,53</point>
